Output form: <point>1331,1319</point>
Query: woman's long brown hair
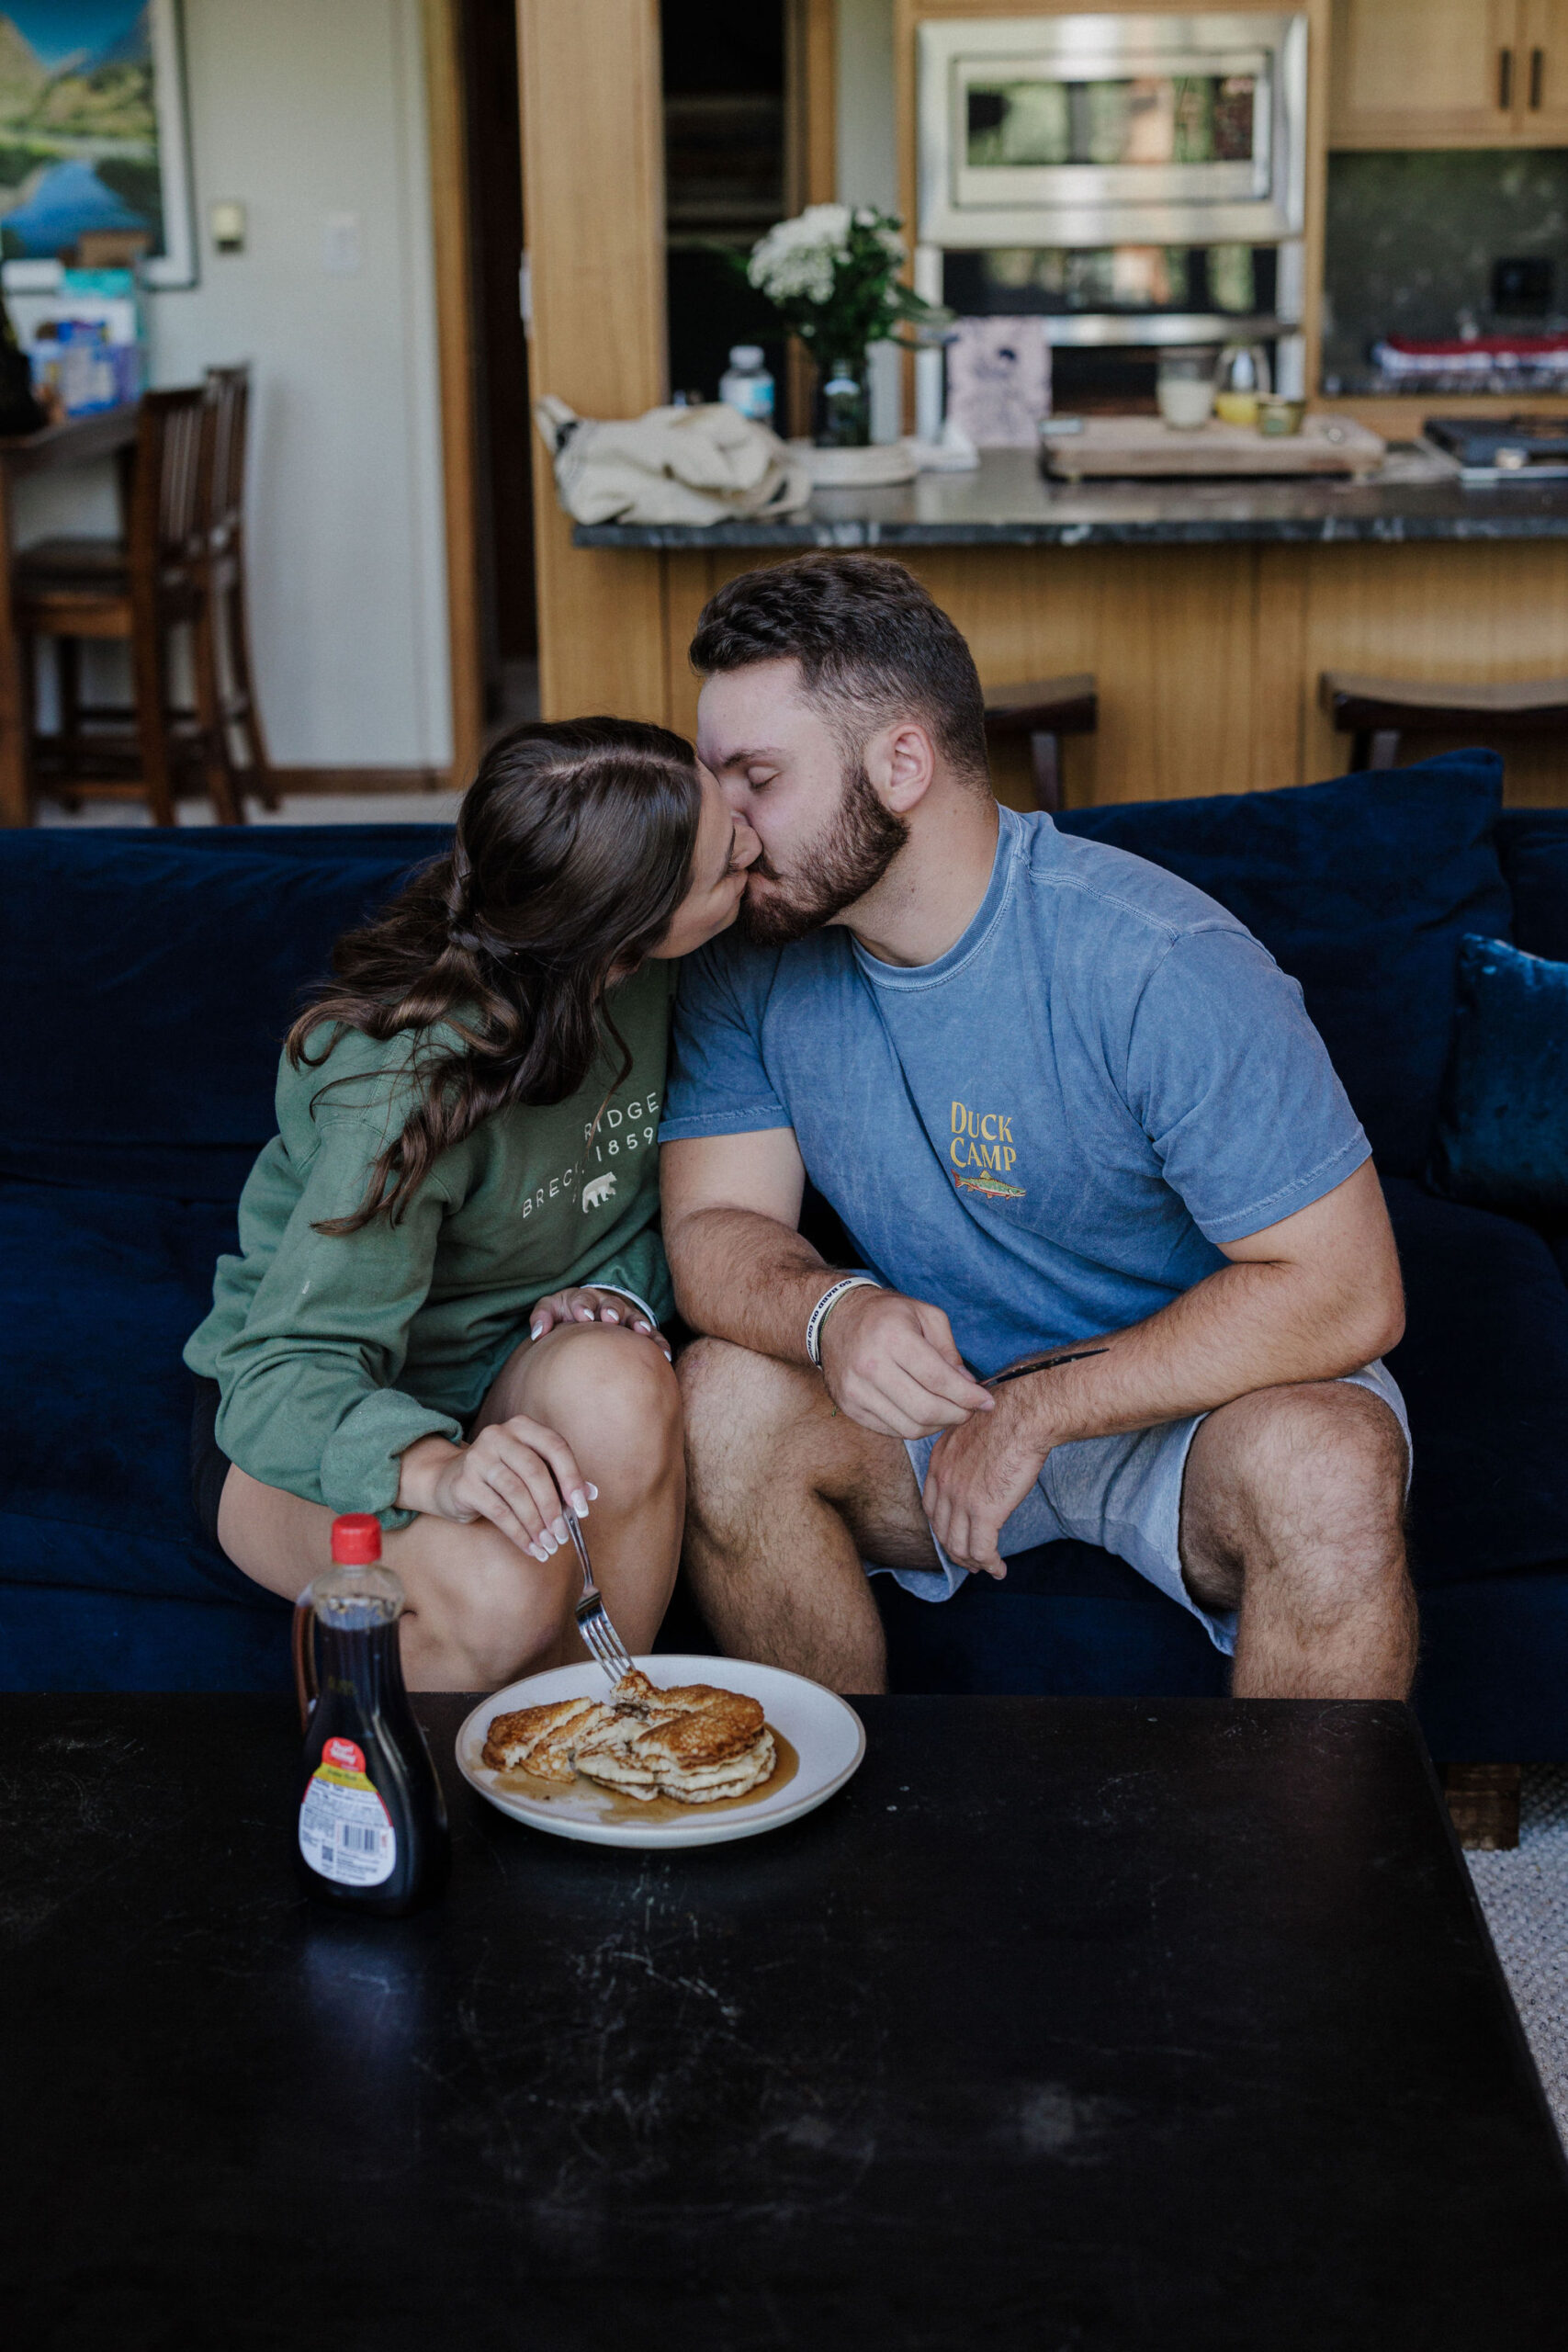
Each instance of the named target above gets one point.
<point>574,848</point>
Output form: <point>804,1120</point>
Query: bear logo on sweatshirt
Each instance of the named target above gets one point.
<point>597,1190</point>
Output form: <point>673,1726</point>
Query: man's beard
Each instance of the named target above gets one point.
<point>847,860</point>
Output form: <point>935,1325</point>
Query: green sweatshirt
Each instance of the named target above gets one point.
<point>336,1353</point>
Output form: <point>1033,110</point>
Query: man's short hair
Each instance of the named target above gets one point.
<point>873,645</point>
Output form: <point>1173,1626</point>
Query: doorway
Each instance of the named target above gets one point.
<point>503,495</point>
<point>476,180</point>
<point>748,133</point>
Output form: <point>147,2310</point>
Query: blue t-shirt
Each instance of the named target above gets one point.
<point>1045,1132</point>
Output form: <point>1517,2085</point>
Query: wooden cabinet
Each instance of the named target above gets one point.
<point>1543,69</point>
<point>1450,74</point>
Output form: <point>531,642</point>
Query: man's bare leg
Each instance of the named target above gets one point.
<point>786,1499</point>
<point>1293,1512</point>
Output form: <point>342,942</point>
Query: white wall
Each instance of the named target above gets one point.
<point>299,108</point>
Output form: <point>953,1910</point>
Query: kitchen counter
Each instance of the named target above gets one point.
<point>1009,502</point>
<point>1207,611</point>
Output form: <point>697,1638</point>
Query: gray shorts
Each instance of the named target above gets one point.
<point>1123,1493</point>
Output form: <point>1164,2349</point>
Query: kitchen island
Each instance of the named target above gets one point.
<point>1207,610</point>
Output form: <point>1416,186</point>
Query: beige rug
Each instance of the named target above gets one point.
<point>1525,1897</point>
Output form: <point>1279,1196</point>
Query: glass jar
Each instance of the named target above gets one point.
<point>1241,375</point>
<point>1186,389</point>
<point>844,405</point>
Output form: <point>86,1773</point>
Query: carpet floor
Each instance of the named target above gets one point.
<point>1525,1897</point>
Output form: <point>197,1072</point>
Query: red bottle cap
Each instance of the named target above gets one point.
<point>357,1539</point>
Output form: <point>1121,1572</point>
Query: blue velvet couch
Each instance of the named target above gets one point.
<point>149,978</point>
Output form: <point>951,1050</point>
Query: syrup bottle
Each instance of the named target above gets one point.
<point>372,1831</point>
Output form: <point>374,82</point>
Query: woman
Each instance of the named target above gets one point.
<point>445,1304</point>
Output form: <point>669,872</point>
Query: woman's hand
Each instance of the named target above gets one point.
<point>593,1307</point>
<point>514,1473</point>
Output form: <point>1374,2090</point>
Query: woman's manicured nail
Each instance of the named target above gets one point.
<point>592,1492</point>
<point>640,1325</point>
<point>579,1502</point>
<point>536,1553</point>
<point>558,1529</point>
<point>611,1315</point>
<point>537,1332</point>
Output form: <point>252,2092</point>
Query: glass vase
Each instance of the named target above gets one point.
<point>843,404</point>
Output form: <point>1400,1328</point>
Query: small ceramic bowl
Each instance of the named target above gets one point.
<point>1278,416</point>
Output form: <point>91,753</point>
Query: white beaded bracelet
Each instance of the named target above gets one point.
<point>824,1307</point>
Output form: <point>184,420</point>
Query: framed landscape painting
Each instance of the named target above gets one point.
<point>93,135</point>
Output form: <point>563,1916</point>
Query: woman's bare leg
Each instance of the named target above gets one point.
<point>613,1395</point>
<point>481,1613</point>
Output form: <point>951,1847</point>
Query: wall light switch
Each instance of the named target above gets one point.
<point>343,244</point>
<point>228,227</point>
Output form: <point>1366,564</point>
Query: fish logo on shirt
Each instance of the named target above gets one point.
<point>597,1190</point>
<point>982,1146</point>
<point>992,1187</point>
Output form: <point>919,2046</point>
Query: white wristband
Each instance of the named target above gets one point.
<point>824,1307</point>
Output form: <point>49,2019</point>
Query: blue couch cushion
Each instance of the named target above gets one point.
<point>98,1293</point>
<point>63,1636</point>
<point>1068,1621</point>
<point>1362,888</point>
<point>1077,1623</point>
<point>316,844</point>
<point>1483,1367</point>
<point>1502,1138</point>
<point>1533,846</point>
<point>158,981</point>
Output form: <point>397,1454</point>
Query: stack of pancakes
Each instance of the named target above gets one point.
<point>694,1745</point>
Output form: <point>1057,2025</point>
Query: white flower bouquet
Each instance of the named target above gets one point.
<point>832,275</point>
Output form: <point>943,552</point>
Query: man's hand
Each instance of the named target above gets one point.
<point>890,1363</point>
<point>978,1476</point>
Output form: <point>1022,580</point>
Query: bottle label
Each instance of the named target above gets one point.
<point>753,397</point>
<point>345,1832</point>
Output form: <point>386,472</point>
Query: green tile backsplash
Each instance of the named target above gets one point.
<point>1411,238</point>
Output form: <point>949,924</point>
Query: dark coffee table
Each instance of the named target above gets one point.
<point>1069,2025</point>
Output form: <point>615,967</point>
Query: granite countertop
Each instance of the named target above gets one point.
<point>1009,502</point>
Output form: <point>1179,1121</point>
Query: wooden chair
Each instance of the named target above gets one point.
<point>224,642</point>
<point>140,591</point>
<point>1376,712</point>
<point>1044,711</point>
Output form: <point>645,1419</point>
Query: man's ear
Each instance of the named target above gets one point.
<point>901,761</point>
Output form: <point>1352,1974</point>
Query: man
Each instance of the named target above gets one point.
<point>1074,1116</point>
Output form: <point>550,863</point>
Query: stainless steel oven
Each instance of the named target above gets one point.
<point>1107,131</point>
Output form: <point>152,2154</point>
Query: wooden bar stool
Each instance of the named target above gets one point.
<point>1375,712</point>
<point>223,634</point>
<point>1044,711</point>
<point>140,591</point>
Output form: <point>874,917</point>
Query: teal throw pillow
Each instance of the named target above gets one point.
<point>1502,1135</point>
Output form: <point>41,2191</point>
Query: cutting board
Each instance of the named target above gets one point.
<point>1147,446</point>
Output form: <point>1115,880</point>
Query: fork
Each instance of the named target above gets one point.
<point>592,1623</point>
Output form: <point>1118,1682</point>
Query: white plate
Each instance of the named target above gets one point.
<point>879,467</point>
<point>828,1735</point>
